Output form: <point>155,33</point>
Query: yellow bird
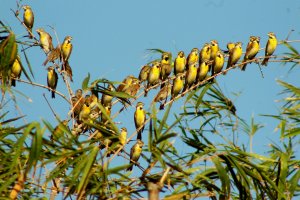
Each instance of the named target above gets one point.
<point>177,85</point>
<point>28,18</point>
<point>230,46</point>
<point>205,53</point>
<point>106,99</point>
<point>203,70</point>
<point>84,113</point>
<point>135,153</point>
<point>235,54</point>
<point>218,63</point>
<point>190,77</point>
<point>66,48</point>
<point>192,58</point>
<point>153,77</point>
<point>45,40</point>
<point>270,48</point>
<point>59,130</point>
<point>179,63</point>
<point>16,70</point>
<point>166,66</point>
<point>139,119</point>
<point>52,79</point>
<point>104,118</point>
<point>123,136</point>
<point>251,51</point>
<point>214,49</point>
<point>143,76</point>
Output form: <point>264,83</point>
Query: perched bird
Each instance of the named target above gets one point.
<point>133,88</point>
<point>68,70</point>
<point>203,70</point>
<point>234,55</point>
<point>28,18</point>
<point>92,101</point>
<point>123,136</point>
<point>106,116</point>
<point>205,53</point>
<point>163,95</point>
<point>192,58</point>
<point>135,153</point>
<point>143,76</point>
<point>218,63</point>
<point>179,63</point>
<point>66,48</point>
<point>106,99</point>
<point>125,84</point>
<point>77,102</point>
<point>139,119</point>
<point>16,70</point>
<point>214,49</point>
<point>251,51</point>
<point>153,77</point>
<point>52,55</point>
<point>52,79</point>
<point>45,40</point>
<point>230,46</point>
<point>84,113</point>
<point>270,48</point>
<point>166,66</point>
<point>59,130</point>
<point>190,77</point>
<point>177,85</point>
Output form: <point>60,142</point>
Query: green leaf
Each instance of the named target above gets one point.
<point>85,82</point>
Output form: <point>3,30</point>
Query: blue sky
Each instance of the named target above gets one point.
<point>110,39</point>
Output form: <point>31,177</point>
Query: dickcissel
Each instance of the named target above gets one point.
<point>166,66</point>
<point>77,102</point>
<point>104,118</point>
<point>52,55</point>
<point>270,48</point>
<point>214,49</point>
<point>126,83</point>
<point>123,136</point>
<point>139,119</point>
<point>203,70</point>
<point>106,99</point>
<point>177,85</point>
<point>84,113</point>
<point>251,51</point>
<point>59,130</point>
<point>134,87</point>
<point>235,54</point>
<point>28,18</point>
<point>205,53</point>
<point>179,63</point>
<point>192,58</point>
<point>153,77</point>
<point>16,70</point>
<point>143,76</point>
<point>135,153</point>
<point>230,46</point>
<point>66,48</point>
<point>68,70</point>
<point>218,63</point>
<point>163,94</point>
<point>52,80</point>
<point>190,77</point>
<point>45,40</point>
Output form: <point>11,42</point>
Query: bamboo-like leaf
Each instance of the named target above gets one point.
<point>223,177</point>
<point>85,82</point>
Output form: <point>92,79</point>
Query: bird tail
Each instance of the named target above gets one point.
<point>53,95</point>
<point>130,167</point>
<point>13,82</point>
<point>139,135</point>
<point>265,61</point>
<point>45,62</point>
